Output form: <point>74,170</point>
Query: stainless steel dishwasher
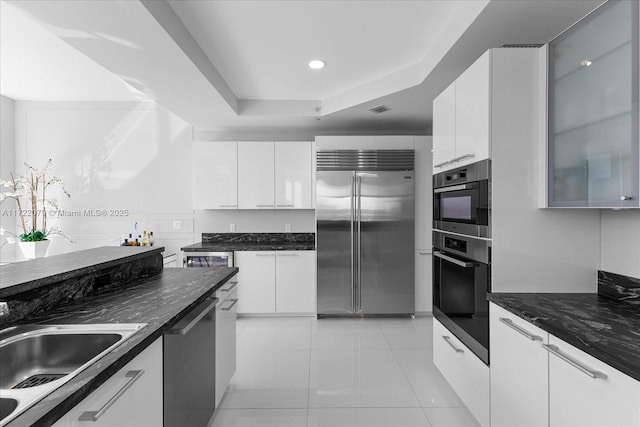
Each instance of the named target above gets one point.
<point>189,368</point>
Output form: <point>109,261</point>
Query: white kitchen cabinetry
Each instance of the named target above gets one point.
<point>276,282</point>
<point>462,118</point>
<point>256,175</point>
<point>424,288</point>
<point>423,223</point>
<point>578,399</point>
<point>464,371</point>
<point>295,281</point>
<point>293,175</point>
<point>132,397</point>
<point>538,379</point>
<point>519,372</point>
<point>257,273</point>
<point>444,129</point>
<point>215,175</point>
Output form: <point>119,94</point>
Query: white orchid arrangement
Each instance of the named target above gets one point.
<point>30,193</point>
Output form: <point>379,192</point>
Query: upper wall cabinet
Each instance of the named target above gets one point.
<point>215,175</point>
<point>293,175</point>
<point>461,118</point>
<point>593,111</point>
<point>253,175</point>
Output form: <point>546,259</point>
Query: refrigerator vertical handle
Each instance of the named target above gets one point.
<point>358,244</point>
<point>353,258</point>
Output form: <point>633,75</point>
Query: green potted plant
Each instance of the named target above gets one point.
<point>33,205</point>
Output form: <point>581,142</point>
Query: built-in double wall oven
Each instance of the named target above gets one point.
<point>462,254</point>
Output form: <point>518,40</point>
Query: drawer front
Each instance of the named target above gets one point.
<point>466,374</point>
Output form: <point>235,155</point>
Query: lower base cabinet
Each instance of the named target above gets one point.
<point>276,282</point>
<point>463,370</point>
<point>131,397</point>
<point>226,317</point>
<point>538,379</point>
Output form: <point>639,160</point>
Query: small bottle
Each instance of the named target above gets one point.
<point>131,241</point>
<point>137,243</point>
<point>151,239</point>
<point>145,240</point>
<point>126,242</point>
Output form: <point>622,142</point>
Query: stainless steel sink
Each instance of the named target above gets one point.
<point>36,360</point>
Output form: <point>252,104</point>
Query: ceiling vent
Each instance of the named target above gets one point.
<point>516,45</point>
<point>379,109</point>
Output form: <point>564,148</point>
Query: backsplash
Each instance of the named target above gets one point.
<point>258,237</point>
<point>618,287</point>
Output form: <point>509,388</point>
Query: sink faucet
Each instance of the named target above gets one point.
<point>4,309</point>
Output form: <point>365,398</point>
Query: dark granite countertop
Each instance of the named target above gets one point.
<point>227,242</point>
<point>249,246</point>
<point>27,275</point>
<point>605,329</point>
<point>159,301</point>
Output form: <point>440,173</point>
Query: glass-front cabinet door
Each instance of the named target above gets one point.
<point>593,110</point>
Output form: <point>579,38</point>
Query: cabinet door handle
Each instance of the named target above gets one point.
<point>227,206</point>
<point>571,361</point>
<point>281,254</point>
<point>192,318</point>
<point>285,206</point>
<point>453,346</point>
<point>464,156</point>
<point>233,285</point>
<point>95,415</point>
<point>264,206</point>
<point>439,165</point>
<point>520,330</point>
<point>623,198</point>
<point>424,253</point>
<point>265,254</point>
<point>233,302</point>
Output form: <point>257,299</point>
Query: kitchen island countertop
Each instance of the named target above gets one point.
<point>159,301</point>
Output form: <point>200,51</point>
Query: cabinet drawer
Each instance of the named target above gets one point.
<point>466,374</point>
<point>140,405</point>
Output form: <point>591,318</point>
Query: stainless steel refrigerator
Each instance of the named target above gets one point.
<point>365,233</point>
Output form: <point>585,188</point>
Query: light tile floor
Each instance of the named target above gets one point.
<point>305,372</point>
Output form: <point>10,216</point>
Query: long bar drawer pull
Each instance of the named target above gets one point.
<point>95,415</point>
<point>571,361</point>
<point>283,254</point>
<point>227,206</point>
<point>520,330</point>
<point>265,254</point>
<point>233,285</point>
<point>264,206</point>
<point>234,301</point>
<point>284,206</point>
<point>189,321</point>
<point>453,260</point>
<point>453,346</point>
<point>439,165</point>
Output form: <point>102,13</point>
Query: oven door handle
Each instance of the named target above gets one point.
<point>464,264</point>
<point>454,188</point>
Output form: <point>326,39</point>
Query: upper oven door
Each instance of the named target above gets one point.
<point>462,208</point>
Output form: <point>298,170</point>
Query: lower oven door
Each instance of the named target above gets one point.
<point>460,287</point>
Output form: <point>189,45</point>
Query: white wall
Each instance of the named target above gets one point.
<point>7,165</point>
<point>133,157</point>
<point>620,245</point>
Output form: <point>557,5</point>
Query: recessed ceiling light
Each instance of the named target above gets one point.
<point>316,64</point>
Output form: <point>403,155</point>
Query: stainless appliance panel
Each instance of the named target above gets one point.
<point>208,259</point>
<point>189,368</point>
<point>385,242</point>
<point>335,251</point>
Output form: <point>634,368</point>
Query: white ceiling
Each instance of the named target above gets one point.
<point>228,66</point>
